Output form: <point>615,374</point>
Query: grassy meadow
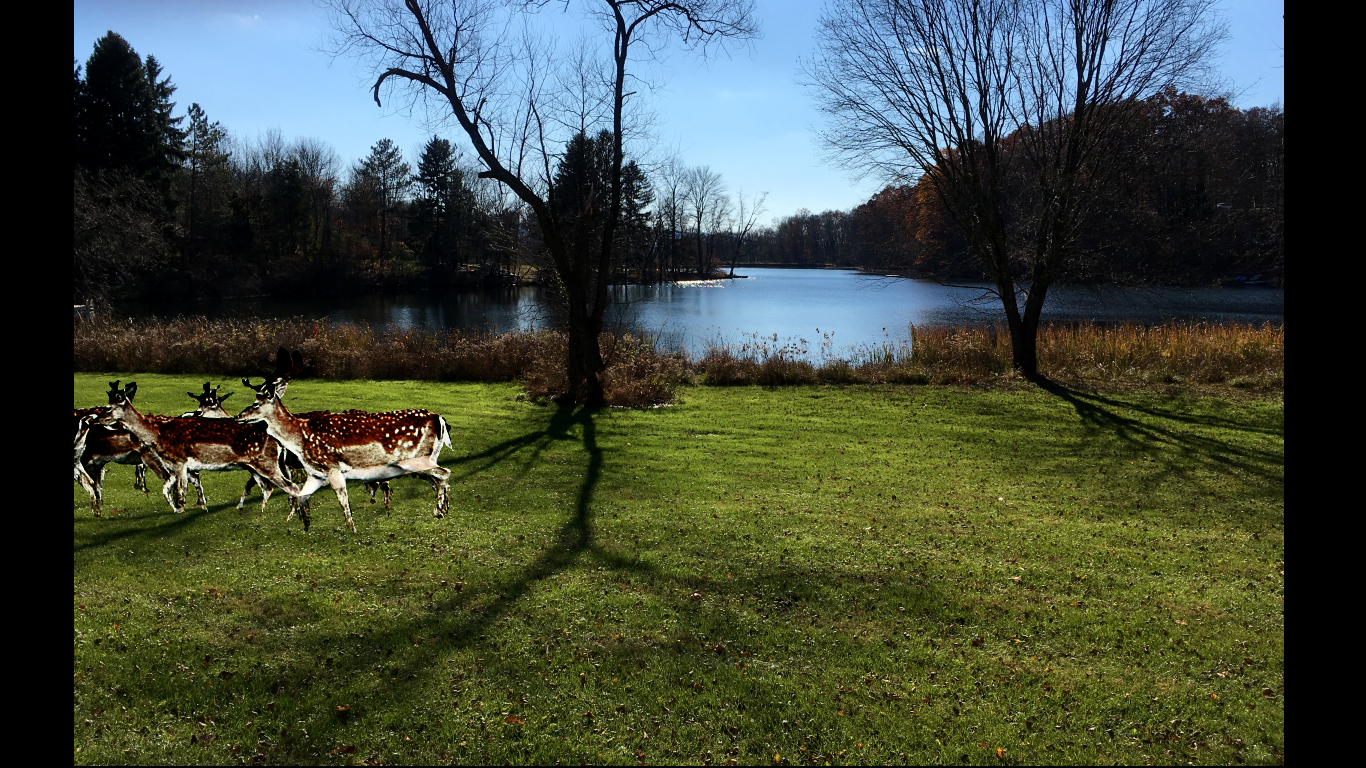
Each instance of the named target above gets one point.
<point>808,575</point>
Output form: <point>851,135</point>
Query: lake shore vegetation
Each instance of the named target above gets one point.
<point>813,575</point>
<point>1192,357</point>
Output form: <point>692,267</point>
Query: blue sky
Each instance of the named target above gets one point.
<point>256,65</point>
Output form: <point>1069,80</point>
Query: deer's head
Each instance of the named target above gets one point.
<point>120,400</point>
<point>210,400</point>
<point>269,392</point>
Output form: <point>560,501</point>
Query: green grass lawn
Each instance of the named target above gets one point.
<point>801,575</point>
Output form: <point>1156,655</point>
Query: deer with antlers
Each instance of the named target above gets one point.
<point>350,445</point>
<point>211,407</point>
<point>179,445</point>
<point>103,445</point>
<point>83,421</point>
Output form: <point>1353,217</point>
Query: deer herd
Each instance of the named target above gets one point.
<point>266,440</point>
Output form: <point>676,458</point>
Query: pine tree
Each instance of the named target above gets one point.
<point>385,172</point>
<point>206,163</point>
<point>443,218</point>
<point>123,114</point>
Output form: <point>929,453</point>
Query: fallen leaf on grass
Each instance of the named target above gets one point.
<point>514,720</point>
<point>345,749</point>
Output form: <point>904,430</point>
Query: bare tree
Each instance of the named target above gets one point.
<point>982,94</point>
<point>320,165</point>
<point>671,180</point>
<point>500,88</point>
<point>705,194</point>
<point>747,213</point>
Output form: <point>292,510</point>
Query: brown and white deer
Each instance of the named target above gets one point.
<point>179,445</point>
<point>108,445</point>
<point>83,422</point>
<point>211,407</point>
<point>351,445</point>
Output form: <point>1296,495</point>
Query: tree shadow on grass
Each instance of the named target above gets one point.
<point>709,625</point>
<point>460,622</point>
<point>147,526</point>
<point>1176,431</point>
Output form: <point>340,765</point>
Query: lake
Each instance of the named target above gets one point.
<point>831,308</point>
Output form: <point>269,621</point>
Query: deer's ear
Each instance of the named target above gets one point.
<point>225,397</point>
<point>206,387</point>
<point>191,394</point>
<point>296,362</point>
<point>130,390</point>
<point>280,387</point>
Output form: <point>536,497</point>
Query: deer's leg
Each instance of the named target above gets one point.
<point>311,484</point>
<point>375,485</point>
<point>98,501</point>
<point>140,477</point>
<point>251,482</point>
<point>171,490</point>
<point>338,482</point>
<point>265,491</point>
<point>199,486</point>
<point>87,482</point>
<point>438,475</point>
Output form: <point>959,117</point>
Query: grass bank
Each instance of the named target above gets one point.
<point>1181,357</point>
<point>826,574</point>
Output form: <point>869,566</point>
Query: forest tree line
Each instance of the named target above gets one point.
<point>1202,201</point>
<point>174,204</point>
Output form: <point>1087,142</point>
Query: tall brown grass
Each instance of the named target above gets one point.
<point>639,373</point>
<point>636,373</point>
<point>1237,355</point>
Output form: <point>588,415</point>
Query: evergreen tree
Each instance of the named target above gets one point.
<point>389,177</point>
<point>581,192</point>
<point>206,166</point>
<point>444,219</point>
<point>127,150</point>
<point>123,114</point>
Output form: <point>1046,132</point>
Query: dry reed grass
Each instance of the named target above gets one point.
<point>638,373</point>
<point>1242,356</point>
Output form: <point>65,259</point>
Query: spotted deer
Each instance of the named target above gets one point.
<point>102,446</point>
<point>211,407</point>
<point>83,422</point>
<point>350,445</point>
<point>179,445</point>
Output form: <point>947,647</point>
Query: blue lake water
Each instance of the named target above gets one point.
<point>834,309</point>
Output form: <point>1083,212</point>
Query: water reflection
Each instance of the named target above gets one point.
<point>841,307</point>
